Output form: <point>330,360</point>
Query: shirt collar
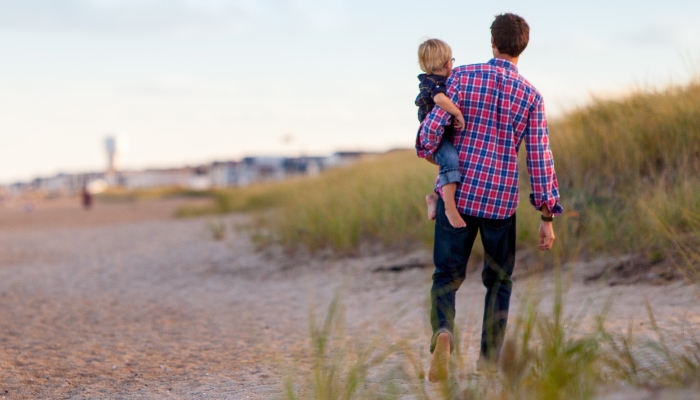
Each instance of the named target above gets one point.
<point>499,62</point>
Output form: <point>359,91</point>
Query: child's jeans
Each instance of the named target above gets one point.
<point>447,158</point>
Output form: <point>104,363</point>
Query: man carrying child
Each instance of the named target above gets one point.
<point>501,111</point>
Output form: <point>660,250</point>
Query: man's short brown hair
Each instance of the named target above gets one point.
<point>510,34</point>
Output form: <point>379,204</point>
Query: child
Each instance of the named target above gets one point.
<point>435,58</point>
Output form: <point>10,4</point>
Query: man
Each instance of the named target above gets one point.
<point>501,110</point>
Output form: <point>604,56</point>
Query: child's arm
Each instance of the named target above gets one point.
<point>447,105</point>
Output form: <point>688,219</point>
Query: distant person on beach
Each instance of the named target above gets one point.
<point>86,197</point>
<point>501,111</point>
<point>435,59</point>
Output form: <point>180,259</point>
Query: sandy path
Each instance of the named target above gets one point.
<point>146,306</point>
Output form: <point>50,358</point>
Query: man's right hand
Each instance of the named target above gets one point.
<point>546,236</point>
<point>459,122</point>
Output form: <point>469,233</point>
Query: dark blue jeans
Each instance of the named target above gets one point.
<point>451,253</point>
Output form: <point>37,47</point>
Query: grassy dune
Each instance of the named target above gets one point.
<point>626,169</point>
<point>628,165</point>
<point>379,199</point>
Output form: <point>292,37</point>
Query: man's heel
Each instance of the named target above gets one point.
<point>439,364</point>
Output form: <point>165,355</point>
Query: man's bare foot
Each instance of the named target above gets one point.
<point>432,200</point>
<point>455,219</point>
<point>439,364</point>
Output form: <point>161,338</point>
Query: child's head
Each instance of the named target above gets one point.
<point>435,57</point>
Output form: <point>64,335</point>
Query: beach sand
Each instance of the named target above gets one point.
<point>126,302</point>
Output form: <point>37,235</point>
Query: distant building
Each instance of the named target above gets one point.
<point>226,173</point>
<point>186,178</point>
<point>217,174</point>
<point>260,169</point>
<point>342,158</point>
<point>304,165</point>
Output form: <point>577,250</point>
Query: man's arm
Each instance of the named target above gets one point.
<point>540,166</point>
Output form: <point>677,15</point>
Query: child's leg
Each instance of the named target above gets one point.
<point>448,195</point>
<point>448,159</point>
<point>432,200</point>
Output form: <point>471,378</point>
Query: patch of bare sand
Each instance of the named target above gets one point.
<point>67,212</point>
<point>152,307</point>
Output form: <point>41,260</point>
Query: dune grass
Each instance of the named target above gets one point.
<point>378,199</point>
<point>624,167</point>
<point>615,148</point>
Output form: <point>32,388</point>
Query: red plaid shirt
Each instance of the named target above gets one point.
<point>501,110</point>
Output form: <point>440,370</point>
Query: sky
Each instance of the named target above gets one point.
<point>193,81</point>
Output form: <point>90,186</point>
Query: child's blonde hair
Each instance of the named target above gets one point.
<point>433,54</point>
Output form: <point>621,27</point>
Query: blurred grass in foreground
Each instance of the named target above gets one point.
<point>548,354</point>
<point>623,166</point>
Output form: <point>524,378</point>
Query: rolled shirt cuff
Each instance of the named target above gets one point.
<point>552,203</point>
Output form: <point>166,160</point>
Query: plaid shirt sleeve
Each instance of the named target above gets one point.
<point>432,128</point>
<point>540,164</point>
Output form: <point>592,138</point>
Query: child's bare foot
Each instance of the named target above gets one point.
<point>448,194</point>
<point>455,219</point>
<point>439,364</point>
<point>432,200</point>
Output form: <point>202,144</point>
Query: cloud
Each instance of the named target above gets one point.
<point>171,16</point>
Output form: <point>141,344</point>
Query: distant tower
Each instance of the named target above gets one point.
<point>115,146</point>
<point>111,147</point>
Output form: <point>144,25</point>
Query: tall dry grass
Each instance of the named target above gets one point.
<point>378,199</point>
<point>615,148</point>
<point>623,166</point>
